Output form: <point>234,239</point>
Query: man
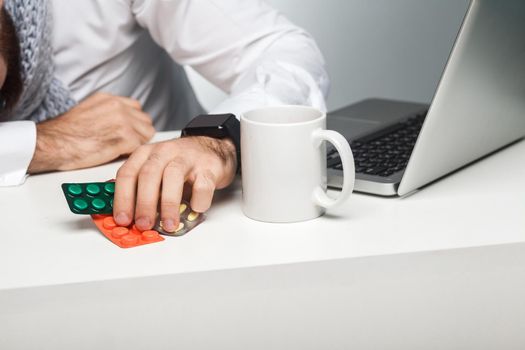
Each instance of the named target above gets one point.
<point>127,49</point>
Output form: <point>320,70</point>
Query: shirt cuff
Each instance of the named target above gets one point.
<point>17,146</point>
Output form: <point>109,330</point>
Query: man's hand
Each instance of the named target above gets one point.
<point>160,172</point>
<point>99,129</point>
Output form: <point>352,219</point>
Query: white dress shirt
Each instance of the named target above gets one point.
<point>136,48</point>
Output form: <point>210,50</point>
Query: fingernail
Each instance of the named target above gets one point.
<point>143,223</point>
<point>168,225</point>
<point>122,219</point>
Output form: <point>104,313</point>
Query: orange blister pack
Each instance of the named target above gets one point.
<point>124,237</point>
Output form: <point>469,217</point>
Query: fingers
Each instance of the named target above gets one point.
<point>103,97</point>
<point>156,177</point>
<point>149,184</point>
<point>123,117</point>
<point>142,125</point>
<point>130,102</point>
<point>126,186</point>
<point>131,113</point>
<point>120,105</point>
<point>202,191</point>
<point>173,181</point>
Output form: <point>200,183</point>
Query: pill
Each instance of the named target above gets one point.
<point>182,208</point>
<point>98,204</point>
<point>75,190</point>
<point>161,224</point>
<point>93,189</point>
<point>123,236</point>
<point>129,240</point>
<point>102,192</point>
<point>149,235</point>
<point>109,223</point>
<point>119,232</point>
<point>193,216</point>
<point>80,204</point>
<point>181,226</point>
<point>109,188</point>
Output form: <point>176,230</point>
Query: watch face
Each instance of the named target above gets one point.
<point>217,126</point>
<point>209,121</point>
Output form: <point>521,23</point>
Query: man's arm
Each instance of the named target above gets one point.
<point>245,47</point>
<point>250,51</point>
<point>99,129</point>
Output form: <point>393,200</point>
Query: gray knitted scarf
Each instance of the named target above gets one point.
<point>43,96</point>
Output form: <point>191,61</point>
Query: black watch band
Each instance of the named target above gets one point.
<point>218,126</point>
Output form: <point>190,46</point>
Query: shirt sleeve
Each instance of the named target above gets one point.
<point>245,47</point>
<point>17,146</point>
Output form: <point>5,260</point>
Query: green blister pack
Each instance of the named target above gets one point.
<point>90,198</point>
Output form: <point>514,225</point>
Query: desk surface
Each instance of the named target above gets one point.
<point>44,244</point>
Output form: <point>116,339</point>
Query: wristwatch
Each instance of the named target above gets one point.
<point>218,126</point>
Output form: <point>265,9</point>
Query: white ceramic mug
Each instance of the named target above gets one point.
<point>284,164</point>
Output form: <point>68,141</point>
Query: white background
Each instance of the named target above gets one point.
<point>373,48</point>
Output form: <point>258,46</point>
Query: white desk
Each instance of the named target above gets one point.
<point>443,268</point>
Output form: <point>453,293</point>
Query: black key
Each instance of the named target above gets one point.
<point>367,164</point>
<point>375,170</point>
<point>331,162</point>
<point>330,152</point>
<point>386,173</point>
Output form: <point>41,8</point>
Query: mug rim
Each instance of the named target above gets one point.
<point>309,108</point>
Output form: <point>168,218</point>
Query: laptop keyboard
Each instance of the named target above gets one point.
<point>385,152</point>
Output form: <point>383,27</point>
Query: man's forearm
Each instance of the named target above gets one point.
<point>48,154</point>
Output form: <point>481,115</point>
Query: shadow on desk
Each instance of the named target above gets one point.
<point>78,224</point>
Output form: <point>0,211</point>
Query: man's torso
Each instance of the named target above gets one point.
<point>99,46</point>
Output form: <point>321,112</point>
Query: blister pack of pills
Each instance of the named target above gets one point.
<point>188,221</point>
<point>96,199</point>
<point>90,198</point>
<point>124,236</point>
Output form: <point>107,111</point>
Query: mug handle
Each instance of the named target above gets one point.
<point>345,153</point>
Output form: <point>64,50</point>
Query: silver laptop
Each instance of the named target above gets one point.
<point>478,108</point>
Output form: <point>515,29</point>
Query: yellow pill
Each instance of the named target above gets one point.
<point>181,226</point>
<point>193,216</point>
<point>182,208</point>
